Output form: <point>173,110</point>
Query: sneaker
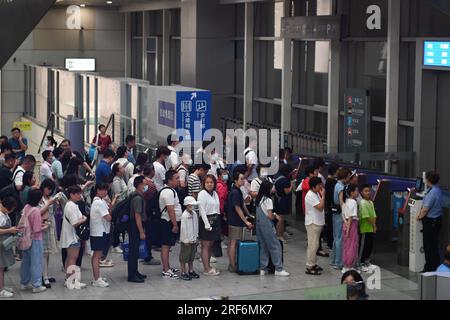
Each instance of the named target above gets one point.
<point>117,250</point>
<point>173,270</point>
<point>153,262</point>
<point>9,289</point>
<point>6,294</point>
<point>39,289</point>
<point>344,270</point>
<point>100,283</point>
<point>186,277</point>
<point>282,239</point>
<point>262,272</point>
<point>282,273</point>
<point>224,246</point>
<point>213,260</point>
<point>193,275</point>
<point>169,275</point>
<point>212,272</point>
<point>106,264</point>
<point>26,287</point>
<point>317,267</point>
<point>46,283</point>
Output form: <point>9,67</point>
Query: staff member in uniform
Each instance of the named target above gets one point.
<point>431,217</point>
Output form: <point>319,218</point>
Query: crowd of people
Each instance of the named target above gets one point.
<point>141,205</point>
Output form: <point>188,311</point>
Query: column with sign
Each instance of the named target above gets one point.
<point>356,120</point>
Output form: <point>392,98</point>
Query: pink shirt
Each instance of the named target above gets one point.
<point>35,220</point>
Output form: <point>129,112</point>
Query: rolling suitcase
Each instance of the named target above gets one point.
<point>247,257</point>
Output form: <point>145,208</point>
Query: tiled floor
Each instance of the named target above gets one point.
<point>393,286</point>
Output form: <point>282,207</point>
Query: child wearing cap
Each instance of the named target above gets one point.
<point>188,239</point>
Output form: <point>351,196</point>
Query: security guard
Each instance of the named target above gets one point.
<point>431,217</point>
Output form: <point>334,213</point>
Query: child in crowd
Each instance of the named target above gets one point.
<point>367,227</point>
<point>188,239</point>
<point>7,259</point>
<point>350,228</point>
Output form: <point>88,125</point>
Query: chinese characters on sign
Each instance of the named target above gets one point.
<point>194,108</point>
<point>356,120</point>
<point>166,114</point>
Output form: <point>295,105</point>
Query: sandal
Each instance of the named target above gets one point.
<point>316,267</point>
<point>313,272</point>
<point>106,264</point>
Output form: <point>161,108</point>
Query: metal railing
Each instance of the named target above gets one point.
<point>51,127</point>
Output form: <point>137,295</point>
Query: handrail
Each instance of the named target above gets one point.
<point>51,127</point>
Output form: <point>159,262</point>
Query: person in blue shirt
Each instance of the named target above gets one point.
<point>19,143</point>
<point>130,142</point>
<point>431,217</point>
<point>445,266</point>
<point>104,167</point>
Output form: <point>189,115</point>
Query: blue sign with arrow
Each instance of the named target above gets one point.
<point>194,109</point>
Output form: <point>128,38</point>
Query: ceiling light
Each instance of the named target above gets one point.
<point>109,2</point>
<point>82,5</point>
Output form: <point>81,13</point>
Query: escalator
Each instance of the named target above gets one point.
<point>18,18</point>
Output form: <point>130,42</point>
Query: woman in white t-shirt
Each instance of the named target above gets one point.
<point>270,246</point>
<point>350,229</point>
<point>314,222</point>
<point>69,240</point>
<point>100,225</point>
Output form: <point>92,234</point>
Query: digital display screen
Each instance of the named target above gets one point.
<point>80,64</point>
<point>419,185</point>
<point>436,54</point>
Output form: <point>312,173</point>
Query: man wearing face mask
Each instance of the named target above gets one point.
<point>216,163</point>
<point>160,170</point>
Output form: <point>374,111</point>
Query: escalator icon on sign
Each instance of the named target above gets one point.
<point>201,106</point>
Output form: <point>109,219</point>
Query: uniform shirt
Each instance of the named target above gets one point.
<point>173,160</point>
<point>208,204</point>
<point>251,159</point>
<point>235,198</point>
<point>312,214</point>
<point>16,146</point>
<point>45,171</point>
<point>366,211</point>
<point>433,202</point>
<point>169,197</point>
<point>160,175</point>
<point>72,215</point>
<point>189,227</point>
<point>98,224</point>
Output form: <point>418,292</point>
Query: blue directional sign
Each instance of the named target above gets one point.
<point>436,54</point>
<point>194,108</point>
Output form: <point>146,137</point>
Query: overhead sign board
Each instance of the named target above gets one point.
<point>311,27</point>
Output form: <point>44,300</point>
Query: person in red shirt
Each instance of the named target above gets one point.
<point>102,140</point>
<point>310,172</point>
<point>222,191</point>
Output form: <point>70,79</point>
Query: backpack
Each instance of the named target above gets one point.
<point>10,190</point>
<point>121,213</point>
<point>25,241</point>
<point>156,209</point>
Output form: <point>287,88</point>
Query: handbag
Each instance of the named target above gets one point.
<point>9,242</point>
<point>83,231</point>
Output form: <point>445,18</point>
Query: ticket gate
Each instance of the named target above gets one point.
<point>416,251</point>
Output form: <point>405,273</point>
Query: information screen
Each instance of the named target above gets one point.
<point>436,54</point>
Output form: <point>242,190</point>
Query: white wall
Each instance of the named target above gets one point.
<point>102,37</point>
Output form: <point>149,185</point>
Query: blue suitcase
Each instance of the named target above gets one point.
<point>248,257</point>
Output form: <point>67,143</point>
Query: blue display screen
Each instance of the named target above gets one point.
<point>436,54</point>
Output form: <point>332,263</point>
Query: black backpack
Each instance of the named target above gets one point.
<point>121,213</point>
<point>155,211</point>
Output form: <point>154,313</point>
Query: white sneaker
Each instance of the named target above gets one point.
<point>100,283</point>
<point>262,272</point>
<point>117,250</point>
<point>213,260</point>
<point>39,289</point>
<point>8,289</point>
<point>344,270</point>
<point>282,273</point>
<point>6,294</point>
<point>26,287</point>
